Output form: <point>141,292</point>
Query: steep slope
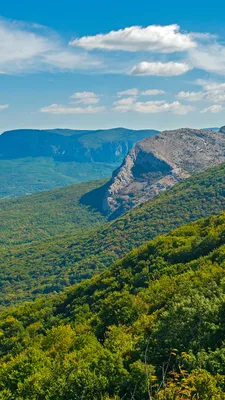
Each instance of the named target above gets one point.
<point>150,327</point>
<point>36,269</point>
<point>47,214</point>
<point>35,160</point>
<point>157,163</point>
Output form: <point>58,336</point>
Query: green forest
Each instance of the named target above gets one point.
<point>44,215</point>
<point>43,267</point>
<point>24,176</point>
<point>150,327</point>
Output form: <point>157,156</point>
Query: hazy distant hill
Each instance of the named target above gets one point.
<point>108,146</point>
<point>35,160</point>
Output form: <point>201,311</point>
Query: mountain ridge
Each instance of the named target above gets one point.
<point>71,145</point>
<point>157,163</point>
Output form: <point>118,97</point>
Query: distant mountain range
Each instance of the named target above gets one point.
<point>35,160</point>
<point>108,146</point>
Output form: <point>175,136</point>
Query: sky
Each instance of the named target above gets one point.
<point>103,64</point>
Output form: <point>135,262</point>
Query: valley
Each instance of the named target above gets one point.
<point>112,200</point>
<point>30,270</point>
<point>99,293</point>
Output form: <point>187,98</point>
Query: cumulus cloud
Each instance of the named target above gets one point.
<point>129,92</point>
<point>136,92</point>
<point>85,98</point>
<point>216,108</point>
<point>151,107</point>
<point>163,39</point>
<point>191,96</point>
<point>152,92</point>
<point>170,68</point>
<point>33,48</point>
<point>214,86</point>
<point>210,58</point>
<point>4,107</point>
<point>212,92</point>
<point>61,109</point>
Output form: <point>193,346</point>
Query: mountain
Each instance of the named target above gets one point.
<point>31,270</point>
<point>156,164</point>
<point>44,215</point>
<point>215,129</point>
<point>107,146</point>
<point>150,327</point>
<point>222,129</point>
<point>35,160</point>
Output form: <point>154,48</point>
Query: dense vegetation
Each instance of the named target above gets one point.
<point>152,327</point>
<point>46,214</point>
<point>23,176</point>
<point>31,270</point>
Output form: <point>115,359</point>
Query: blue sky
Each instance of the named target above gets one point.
<point>101,64</point>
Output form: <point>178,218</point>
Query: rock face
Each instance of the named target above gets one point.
<point>155,164</point>
<point>108,146</point>
<point>222,130</point>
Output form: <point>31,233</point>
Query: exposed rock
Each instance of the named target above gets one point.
<point>157,163</point>
<point>222,130</point>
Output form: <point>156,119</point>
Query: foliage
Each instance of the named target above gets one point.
<point>47,266</point>
<point>151,327</point>
<point>23,176</point>
<point>47,214</point>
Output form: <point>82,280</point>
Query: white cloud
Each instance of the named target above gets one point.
<point>129,92</point>
<point>214,86</point>
<point>210,58</point>
<point>135,92</point>
<point>213,92</point>
<point>126,102</point>
<point>61,109</point>
<point>4,107</point>
<point>216,108</point>
<point>33,48</point>
<point>152,92</point>
<point>164,39</point>
<point>160,69</point>
<point>85,98</point>
<point>151,107</point>
<point>191,96</point>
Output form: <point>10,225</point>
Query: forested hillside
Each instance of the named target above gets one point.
<point>24,176</point>
<point>43,267</point>
<point>150,327</point>
<point>46,214</point>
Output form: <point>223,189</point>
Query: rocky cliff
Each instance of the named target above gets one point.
<point>157,163</point>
